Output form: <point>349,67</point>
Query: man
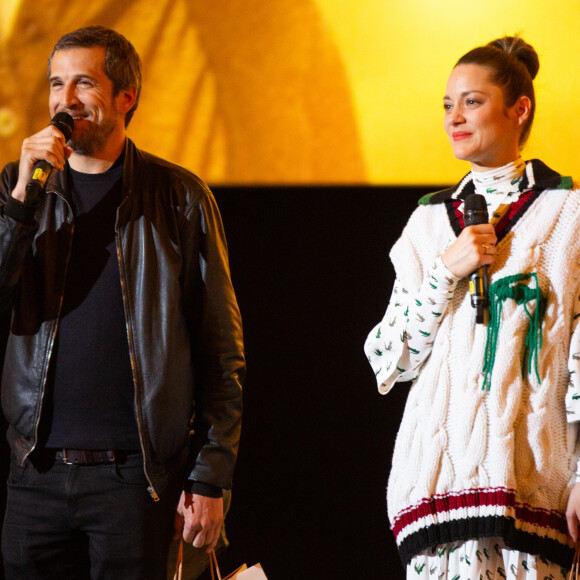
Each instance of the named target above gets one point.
<point>124,334</point>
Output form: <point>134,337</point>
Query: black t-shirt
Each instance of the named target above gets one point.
<point>90,400</point>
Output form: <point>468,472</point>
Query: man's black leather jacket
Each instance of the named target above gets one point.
<point>183,322</point>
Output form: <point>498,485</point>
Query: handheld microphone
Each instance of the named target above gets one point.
<point>42,169</point>
<point>475,213</point>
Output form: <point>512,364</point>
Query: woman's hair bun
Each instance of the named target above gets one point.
<point>519,48</point>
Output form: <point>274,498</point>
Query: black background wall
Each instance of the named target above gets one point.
<point>312,275</point>
<point>311,272</point>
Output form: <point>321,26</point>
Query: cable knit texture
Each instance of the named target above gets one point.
<point>468,462</point>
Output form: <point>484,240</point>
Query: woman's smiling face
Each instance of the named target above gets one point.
<point>481,129</point>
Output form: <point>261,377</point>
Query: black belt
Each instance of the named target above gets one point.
<point>87,456</point>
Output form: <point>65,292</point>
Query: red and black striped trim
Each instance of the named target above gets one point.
<point>505,224</point>
<point>445,518</point>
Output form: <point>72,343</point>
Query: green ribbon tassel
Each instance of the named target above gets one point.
<point>517,288</point>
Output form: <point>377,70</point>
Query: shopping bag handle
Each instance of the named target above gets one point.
<point>575,570</point>
<point>214,565</point>
<point>179,563</point>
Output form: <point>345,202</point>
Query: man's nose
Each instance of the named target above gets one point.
<point>68,96</point>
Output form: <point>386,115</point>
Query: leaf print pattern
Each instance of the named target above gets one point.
<point>411,320</point>
<point>483,559</point>
<point>573,392</point>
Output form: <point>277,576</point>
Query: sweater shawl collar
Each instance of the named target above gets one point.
<point>537,177</point>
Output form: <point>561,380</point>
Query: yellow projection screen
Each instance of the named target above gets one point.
<point>299,91</point>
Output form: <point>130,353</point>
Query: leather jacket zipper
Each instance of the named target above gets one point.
<point>150,488</point>
<point>56,323</point>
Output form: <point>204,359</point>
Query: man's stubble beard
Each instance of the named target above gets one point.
<point>93,139</point>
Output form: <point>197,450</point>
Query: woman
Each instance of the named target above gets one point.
<point>483,475</point>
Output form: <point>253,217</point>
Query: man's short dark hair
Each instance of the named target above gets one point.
<point>122,63</point>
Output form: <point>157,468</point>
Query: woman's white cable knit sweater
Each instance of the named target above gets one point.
<point>469,462</point>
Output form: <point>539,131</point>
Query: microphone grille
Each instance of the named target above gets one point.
<point>475,210</point>
<point>64,123</point>
<point>475,202</point>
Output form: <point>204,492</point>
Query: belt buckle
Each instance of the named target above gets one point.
<point>65,457</point>
<point>88,457</point>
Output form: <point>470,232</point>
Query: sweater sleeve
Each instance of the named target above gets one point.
<point>573,391</point>
<point>397,346</point>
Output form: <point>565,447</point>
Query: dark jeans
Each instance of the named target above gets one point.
<point>97,522</point>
